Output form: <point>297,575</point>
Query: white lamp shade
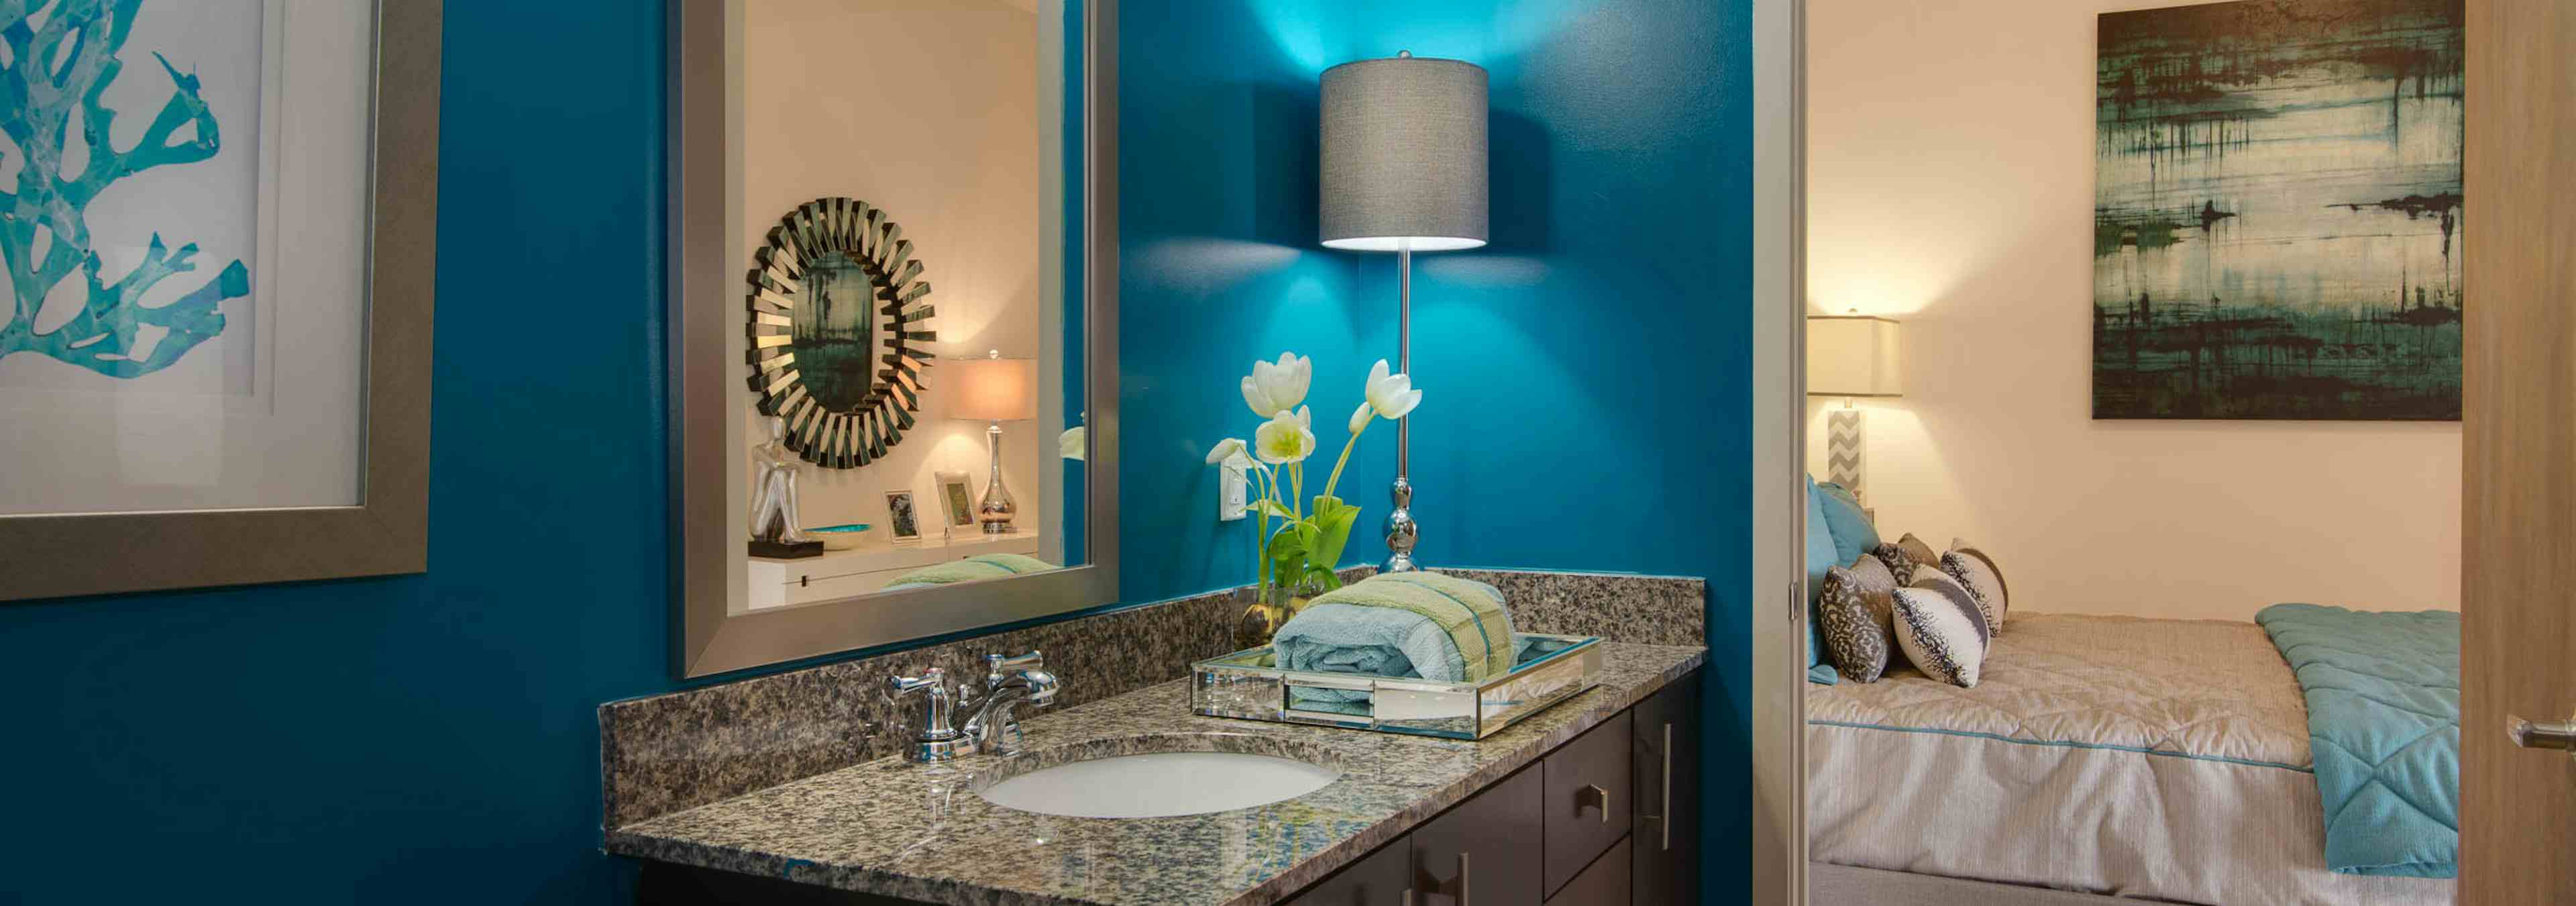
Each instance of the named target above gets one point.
<point>1404,155</point>
<point>1853,356</point>
<point>992,390</point>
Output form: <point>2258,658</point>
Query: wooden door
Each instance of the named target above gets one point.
<point>2518,615</point>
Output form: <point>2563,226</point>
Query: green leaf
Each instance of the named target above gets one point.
<point>1287,553</point>
<point>1332,524</point>
<point>1272,507</point>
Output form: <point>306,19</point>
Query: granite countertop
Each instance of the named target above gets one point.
<point>919,831</point>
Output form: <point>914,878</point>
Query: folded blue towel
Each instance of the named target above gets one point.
<point>1400,626</point>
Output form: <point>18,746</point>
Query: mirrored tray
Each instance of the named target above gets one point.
<point>1245,685</point>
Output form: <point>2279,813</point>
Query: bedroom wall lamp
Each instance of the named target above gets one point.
<point>1403,172</point>
<point>1850,356</point>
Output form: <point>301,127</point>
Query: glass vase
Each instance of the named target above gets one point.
<point>1268,607</point>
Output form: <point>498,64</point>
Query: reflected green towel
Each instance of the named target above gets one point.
<point>1469,612</point>
<point>980,566</point>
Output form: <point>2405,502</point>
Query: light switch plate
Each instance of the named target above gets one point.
<point>1236,493</point>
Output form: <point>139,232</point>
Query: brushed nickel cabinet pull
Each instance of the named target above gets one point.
<point>1665,825</point>
<point>1462,878</point>
<point>1604,797</point>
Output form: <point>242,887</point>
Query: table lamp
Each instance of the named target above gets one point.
<point>994,390</point>
<point>1850,356</point>
<point>1403,172</point>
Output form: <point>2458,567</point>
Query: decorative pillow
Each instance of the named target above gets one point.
<point>1940,629</point>
<point>1853,616</point>
<point>1820,557</point>
<point>1977,573</point>
<point>1853,535</point>
<point>1922,554</point>
<point>1899,563</point>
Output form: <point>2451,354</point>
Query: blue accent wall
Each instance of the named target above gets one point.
<point>1585,376</point>
<point>415,739</point>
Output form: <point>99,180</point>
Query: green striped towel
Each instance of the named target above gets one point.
<point>980,566</point>
<point>1430,625</point>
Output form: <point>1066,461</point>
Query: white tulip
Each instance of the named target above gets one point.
<point>1275,388</point>
<point>1360,417</point>
<point>1392,395</point>
<point>1225,449</point>
<point>1285,438</point>
<point>1074,442</point>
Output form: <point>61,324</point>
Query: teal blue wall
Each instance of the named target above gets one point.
<point>1585,375</point>
<point>431,738</point>
<point>419,739</point>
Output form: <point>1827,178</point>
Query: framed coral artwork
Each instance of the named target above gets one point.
<point>219,243</point>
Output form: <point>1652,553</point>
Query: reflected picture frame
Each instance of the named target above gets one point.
<point>903,517</point>
<point>386,532</point>
<point>956,500</point>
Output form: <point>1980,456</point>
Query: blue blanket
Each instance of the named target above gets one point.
<point>2383,693</point>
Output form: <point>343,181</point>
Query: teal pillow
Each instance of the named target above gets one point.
<point>1821,556</point>
<point>1853,535</point>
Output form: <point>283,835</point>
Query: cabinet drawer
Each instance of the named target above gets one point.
<point>1493,837</point>
<point>1587,799</point>
<point>1603,884</point>
<point>1378,879</point>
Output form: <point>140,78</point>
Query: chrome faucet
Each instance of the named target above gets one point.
<point>994,728</point>
<point>938,739</point>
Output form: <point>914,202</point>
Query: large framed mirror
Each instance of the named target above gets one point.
<point>893,345</point>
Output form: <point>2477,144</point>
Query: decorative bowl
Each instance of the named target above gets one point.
<point>839,537</point>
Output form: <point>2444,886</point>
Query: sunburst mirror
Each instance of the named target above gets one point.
<point>838,312</point>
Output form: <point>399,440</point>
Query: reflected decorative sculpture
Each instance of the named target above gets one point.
<point>773,500</point>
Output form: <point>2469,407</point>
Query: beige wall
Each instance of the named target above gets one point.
<point>926,109</point>
<point>1951,186</point>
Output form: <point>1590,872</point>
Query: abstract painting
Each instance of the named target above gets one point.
<point>68,149</point>
<point>2277,219</point>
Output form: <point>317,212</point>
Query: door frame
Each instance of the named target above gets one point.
<point>1777,594</point>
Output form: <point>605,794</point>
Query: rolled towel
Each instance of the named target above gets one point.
<point>980,566</point>
<point>1426,625</point>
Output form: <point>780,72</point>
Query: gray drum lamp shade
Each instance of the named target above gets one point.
<point>1404,155</point>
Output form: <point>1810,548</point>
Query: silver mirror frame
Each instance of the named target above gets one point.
<point>708,637</point>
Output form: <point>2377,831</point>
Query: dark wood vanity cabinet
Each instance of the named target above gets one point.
<point>1485,852</point>
<point>1664,764</point>
<point>1379,879</point>
<point>1607,819</point>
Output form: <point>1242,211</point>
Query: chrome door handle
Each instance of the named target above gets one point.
<point>2559,736</point>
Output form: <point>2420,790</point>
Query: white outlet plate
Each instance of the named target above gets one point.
<point>1235,494</point>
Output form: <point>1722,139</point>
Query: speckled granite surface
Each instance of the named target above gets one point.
<point>920,832</point>
<point>669,752</point>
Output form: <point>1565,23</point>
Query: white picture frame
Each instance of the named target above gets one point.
<point>903,517</point>
<point>957,500</point>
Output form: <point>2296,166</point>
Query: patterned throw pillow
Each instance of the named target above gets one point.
<point>1922,554</point>
<point>1940,629</point>
<point>1899,563</point>
<point>1853,615</point>
<point>1978,574</point>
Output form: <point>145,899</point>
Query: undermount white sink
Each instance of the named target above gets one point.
<point>1159,785</point>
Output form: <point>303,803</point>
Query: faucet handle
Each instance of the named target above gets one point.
<point>932,678</point>
<point>998,668</point>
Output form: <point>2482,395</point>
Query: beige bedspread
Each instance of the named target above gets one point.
<point>2116,755</point>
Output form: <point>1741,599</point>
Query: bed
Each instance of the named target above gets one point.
<point>2100,756</point>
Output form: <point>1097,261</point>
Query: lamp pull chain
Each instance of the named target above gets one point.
<point>1401,532</point>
